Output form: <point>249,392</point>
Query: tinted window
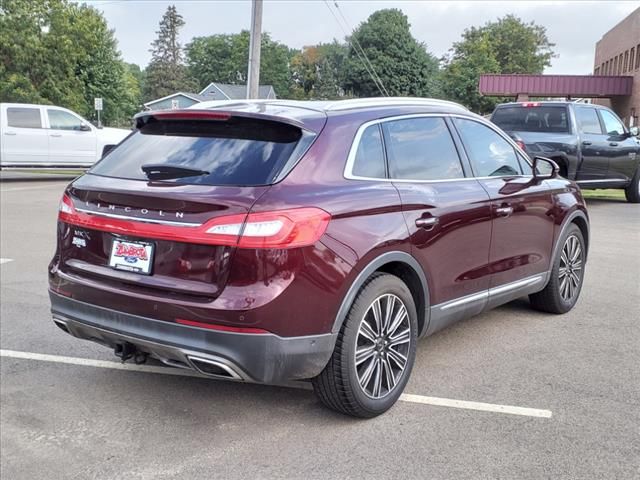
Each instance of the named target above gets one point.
<point>489,153</point>
<point>24,117</point>
<point>369,161</point>
<point>238,151</point>
<point>421,149</point>
<point>588,120</point>
<point>612,125</point>
<point>532,119</point>
<point>61,120</point>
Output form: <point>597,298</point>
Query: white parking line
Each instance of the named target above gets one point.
<point>5,260</point>
<point>406,397</point>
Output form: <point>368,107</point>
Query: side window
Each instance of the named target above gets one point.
<point>489,153</point>
<point>369,161</point>
<point>24,117</point>
<point>612,125</point>
<point>421,149</point>
<point>61,120</point>
<point>588,120</point>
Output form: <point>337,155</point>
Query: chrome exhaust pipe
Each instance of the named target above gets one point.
<point>213,368</point>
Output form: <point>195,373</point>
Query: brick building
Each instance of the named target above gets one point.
<point>618,53</point>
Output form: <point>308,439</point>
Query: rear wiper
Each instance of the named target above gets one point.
<point>163,171</point>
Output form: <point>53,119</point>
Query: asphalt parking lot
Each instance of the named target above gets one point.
<point>68,414</point>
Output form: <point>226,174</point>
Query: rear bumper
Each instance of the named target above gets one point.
<point>262,358</point>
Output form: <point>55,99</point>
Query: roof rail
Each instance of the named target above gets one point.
<point>388,101</point>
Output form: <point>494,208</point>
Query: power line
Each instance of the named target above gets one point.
<point>360,53</point>
<point>373,70</point>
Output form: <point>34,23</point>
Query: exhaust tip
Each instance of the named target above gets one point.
<point>62,325</point>
<point>214,368</point>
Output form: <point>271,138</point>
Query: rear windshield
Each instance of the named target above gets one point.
<point>532,119</point>
<point>238,151</point>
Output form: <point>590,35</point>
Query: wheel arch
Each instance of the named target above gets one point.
<point>405,267</point>
<point>579,218</point>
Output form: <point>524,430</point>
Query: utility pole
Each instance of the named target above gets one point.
<point>253,78</point>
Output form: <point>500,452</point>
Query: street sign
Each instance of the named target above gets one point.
<point>97,103</point>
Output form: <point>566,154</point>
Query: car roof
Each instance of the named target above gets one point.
<point>312,112</point>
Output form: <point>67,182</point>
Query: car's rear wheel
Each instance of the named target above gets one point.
<point>374,352</point>
<point>632,192</point>
<point>564,286</point>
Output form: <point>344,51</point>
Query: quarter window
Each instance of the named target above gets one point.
<point>61,120</point>
<point>489,153</point>
<point>24,117</point>
<point>421,149</point>
<point>588,120</point>
<point>369,161</point>
<point>612,125</point>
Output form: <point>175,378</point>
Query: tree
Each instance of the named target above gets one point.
<point>167,73</point>
<point>317,71</point>
<point>224,59</point>
<point>403,65</point>
<point>54,52</point>
<point>507,45</point>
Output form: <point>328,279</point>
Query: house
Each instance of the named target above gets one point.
<point>213,91</point>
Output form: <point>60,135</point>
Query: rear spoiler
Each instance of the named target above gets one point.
<point>143,118</point>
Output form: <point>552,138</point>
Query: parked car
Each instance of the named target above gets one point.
<point>283,240</point>
<point>589,142</point>
<point>49,136</point>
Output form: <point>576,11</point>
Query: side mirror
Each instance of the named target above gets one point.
<point>634,132</point>
<point>544,168</point>
<point>84,127</point>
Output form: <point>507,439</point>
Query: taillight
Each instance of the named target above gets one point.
<point>521,144</point>
<point>296,227</point>
<point>531,104</point>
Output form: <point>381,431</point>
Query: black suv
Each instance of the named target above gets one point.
<point>589,142</point>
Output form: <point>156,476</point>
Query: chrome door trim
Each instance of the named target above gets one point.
<point>138,219</point>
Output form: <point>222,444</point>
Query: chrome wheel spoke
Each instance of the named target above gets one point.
<point>377,315</point>
<point>398,358</point>
<point>389,375</point>
<point>365,353</point>
<point>367,332</point>
<point>399,318</point>
<point>391,304</point>
<point>403,337</point>
<point>377,379</point>
<point>368,373</point>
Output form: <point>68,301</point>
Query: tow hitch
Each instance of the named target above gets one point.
<point>127,350</point>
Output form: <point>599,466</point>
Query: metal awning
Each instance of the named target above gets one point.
<point>589,86</point>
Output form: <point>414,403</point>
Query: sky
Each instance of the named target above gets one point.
<point>574,26</point>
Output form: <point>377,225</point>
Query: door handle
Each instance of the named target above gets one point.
<point>10,133</point>
<point>613,144</point>
<point>55,135</point>
<point>504,211</point>
<point>586,143</point>
<point>426,223</point>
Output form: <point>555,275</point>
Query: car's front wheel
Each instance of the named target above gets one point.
<point>567,274</point>
<point>632,192</point>
<point>374,352</point>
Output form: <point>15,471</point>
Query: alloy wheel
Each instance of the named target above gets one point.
<point>382,346</point>
<point>570,272</point>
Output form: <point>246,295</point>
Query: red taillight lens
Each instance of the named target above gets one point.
<point>521,144</point>
<point>531,104</point>
<point>297,227</point>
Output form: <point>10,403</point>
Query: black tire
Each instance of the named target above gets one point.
<point>555,297</point>
<point>632,192</point>
<point>338,386</point>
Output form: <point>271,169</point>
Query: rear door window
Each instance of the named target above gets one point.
<point>421,149</point>
<point>489,153</point>
<point>537,118</point>
<point>369,159</point>
<point>24,117</point>
<point>238,151</point>
<point>588,120</point>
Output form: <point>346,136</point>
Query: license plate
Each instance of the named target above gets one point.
<point>131,256</point>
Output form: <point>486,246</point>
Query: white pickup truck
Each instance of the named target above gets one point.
<point>50,137</point>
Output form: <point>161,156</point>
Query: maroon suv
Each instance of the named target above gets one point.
<point>280,240</point>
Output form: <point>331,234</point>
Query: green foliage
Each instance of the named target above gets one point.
<point>507,45</point>
<point>167,73</point>
<point>318,71</point>
<point>58,53</point>
<point>402,63</point>
<point>224,59</point>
